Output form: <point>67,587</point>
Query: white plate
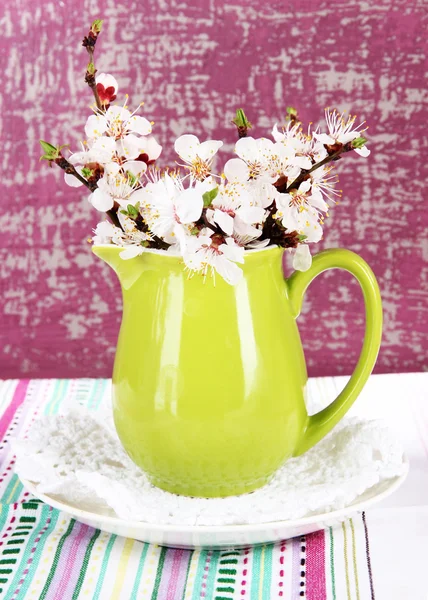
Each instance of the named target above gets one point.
<point>219,536</point>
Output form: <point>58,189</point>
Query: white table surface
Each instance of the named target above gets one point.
<point>399,524</point>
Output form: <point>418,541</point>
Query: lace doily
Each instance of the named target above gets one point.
<point>78,457</point>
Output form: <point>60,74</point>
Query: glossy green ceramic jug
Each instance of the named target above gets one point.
<point>208,382</point>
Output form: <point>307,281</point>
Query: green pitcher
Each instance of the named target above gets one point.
<point>209,380</point>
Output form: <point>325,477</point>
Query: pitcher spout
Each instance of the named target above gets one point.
<point>128,271</point>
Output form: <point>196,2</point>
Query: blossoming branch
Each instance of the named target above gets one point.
<point>274,192</point>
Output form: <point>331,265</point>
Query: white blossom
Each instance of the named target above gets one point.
<point>116,186</point>
<point>341,130</point>
<point>198,156</point>
<point>254,162</point>
<point>233,209</point>
<point>207,220</point>
<point>203,254</point>
<point>169,208</point>
<point>301,211</point>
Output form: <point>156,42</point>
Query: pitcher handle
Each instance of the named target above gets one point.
<point>322,422</point>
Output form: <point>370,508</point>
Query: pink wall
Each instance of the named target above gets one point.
<point>193,64</point>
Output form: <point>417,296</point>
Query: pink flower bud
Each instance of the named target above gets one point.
<point>107,88</point>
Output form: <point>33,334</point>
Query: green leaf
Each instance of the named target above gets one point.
<point>359,142</point>
<point>96,26</point>
<point>48,148</point>
<point>208,197</point>
<point>50,152</point>
<point>241,120</point>
<point>91,68</point>
<point>302,237</point>
<point>132,211</point>
<point>87,172</point>
<point>291,112</point>
<point>131,178</point>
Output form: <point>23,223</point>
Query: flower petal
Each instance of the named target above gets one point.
<point>251,214</point>
<point>289,218</point>
<point>344,138</point>
<point>111,168</point>
<point>131,251</point>
<point>265,147</point>
<point>305,186</point>
<point>224,220</point>
<point>101,200</point>
<point>232,251</point>
<point>187,147</point>
<point>95,126</point>
<point>236,170</point>
<point>71,180</point>
<point>230,272</point>
<point>364,151</point>
<point>189,206</point>
<point>317,200</point>
<point>208,149</point>
<point>128,146</point>
<point>247,149</point>
<point>181,237</point>
<point>308,224</point>
<point>258,244</point>
<point>136,167</point>
<point>139,125</point>
<point>117,113</point>
<point>78,158</point>
<point>262,193</point>
<point>276,134</point>
<point>285,150</point>
<point>106,143</point>
<point>304,162</point>
<point>323,138</point>
<point>302,259</point>
<point>105,229</point>
<point>245,232</point>
<point>292,173</point>
<point>107,81</point>
<point>151,147</point>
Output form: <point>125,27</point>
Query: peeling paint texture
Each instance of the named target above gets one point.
<point>193,64</point>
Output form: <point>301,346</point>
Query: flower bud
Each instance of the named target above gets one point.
<point>96,26</point>
<point>242,123</point>
<point>292,115</point>
<point>358,142</point>
<point>107,87</point>
<point>241,120</point>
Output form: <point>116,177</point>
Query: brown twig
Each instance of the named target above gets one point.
<point>91,81</point>
<point>268,224</point>
<point>305,172</point>
<point>207,223</point>
<point>142,226</point>
<point>92,186</point>
<point>89,42</point>
<point>70,170</point>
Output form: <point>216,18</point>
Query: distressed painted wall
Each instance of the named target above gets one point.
<point>193,64</point>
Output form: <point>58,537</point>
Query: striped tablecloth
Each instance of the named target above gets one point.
<point>379,555</point>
